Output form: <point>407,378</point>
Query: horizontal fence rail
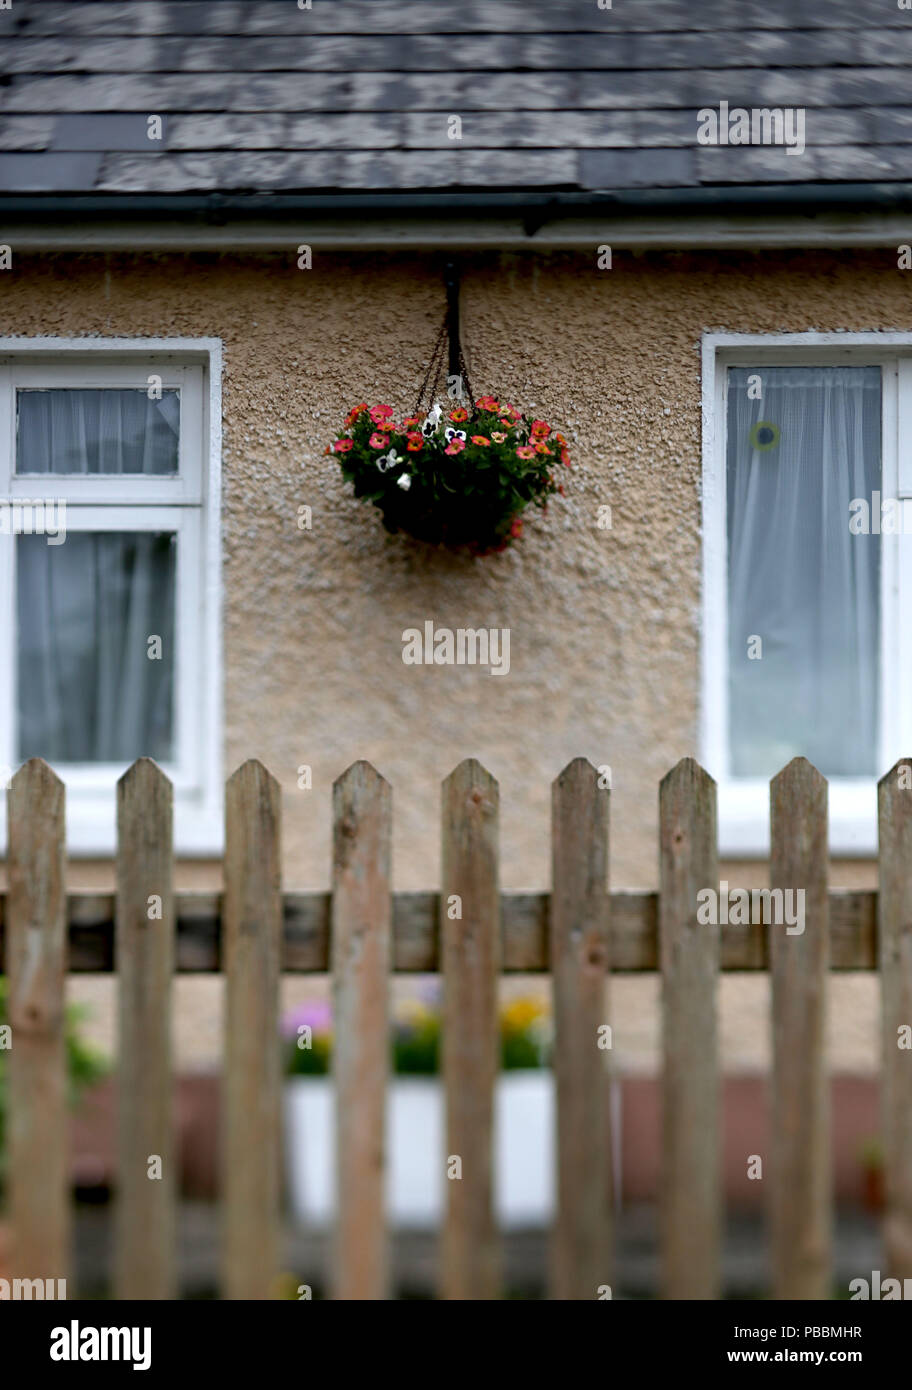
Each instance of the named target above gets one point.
<point>471,933</point>
<point>415,946</point>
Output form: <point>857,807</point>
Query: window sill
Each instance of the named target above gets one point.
<point>91,830</point>
<point>744,818</point>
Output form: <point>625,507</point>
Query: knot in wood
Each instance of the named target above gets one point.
<point>349,826</point>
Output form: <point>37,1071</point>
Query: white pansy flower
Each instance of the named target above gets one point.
<point>432,420</point>
<point>404,481</point>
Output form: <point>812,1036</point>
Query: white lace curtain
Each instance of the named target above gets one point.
<point>798,579</point>
<point>87,690</point>
<point>97,431</point>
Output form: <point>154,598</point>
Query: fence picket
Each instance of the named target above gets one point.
<point>689,953</point>
<point>580,933</point>
<point>582,1255</point>
<point>361,934</point>
<point>894,904</point>
<point>36,964</point>
<point>252,1069</point>
<point>145,1237</point>
<point>470,944</point>
<point>800,1169</point>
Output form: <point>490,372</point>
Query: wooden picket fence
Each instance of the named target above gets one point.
<point>361,931</point>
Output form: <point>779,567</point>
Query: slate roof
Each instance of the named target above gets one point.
<point>353,95</point>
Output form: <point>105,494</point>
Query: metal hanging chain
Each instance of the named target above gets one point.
<point>449,332</point>
<point>435,362</point>
<point>466,384</point>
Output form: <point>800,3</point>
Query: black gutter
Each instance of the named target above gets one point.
<point>536,210</point>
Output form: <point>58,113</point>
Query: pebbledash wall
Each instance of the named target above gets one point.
<point>604,624</point>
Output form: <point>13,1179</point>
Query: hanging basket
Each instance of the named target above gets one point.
<point>459,475</point>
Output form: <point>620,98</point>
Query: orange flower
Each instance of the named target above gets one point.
<point>540,429</point>
<point>415,441</point>
<point>488,403</point>
<point>459,414</point>
<point>480,439</point>
<point>542,448</point>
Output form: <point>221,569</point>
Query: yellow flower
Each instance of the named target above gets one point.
<point>521,1013</point>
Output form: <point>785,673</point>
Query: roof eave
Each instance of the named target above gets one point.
<point>762,216</point>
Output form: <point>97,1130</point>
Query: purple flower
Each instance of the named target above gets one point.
<point>316,1013</point>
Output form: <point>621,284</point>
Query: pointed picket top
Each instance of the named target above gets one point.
<point>891,780</point>
<point>799,773</point>
<point>37,778</point>
<point>36,810</point>
<point>473,778</point>
<point>686,772</point>
<point>143,774</point>
<point>252,792</point>
<point>579,840</point>
<point>252,773</point>
<point>362,801</point>
<point>360,777</point>
<point>687,808</point>
<point>579,772</point>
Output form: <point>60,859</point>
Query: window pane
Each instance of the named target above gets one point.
<point>99,431</point>
<point>798,579</point>
<point>87,688</point>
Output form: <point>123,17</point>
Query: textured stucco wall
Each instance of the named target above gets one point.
<point>604,624</point>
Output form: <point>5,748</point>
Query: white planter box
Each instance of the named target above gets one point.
<point>524,1149</point>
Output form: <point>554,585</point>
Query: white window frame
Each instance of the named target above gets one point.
<point>743,803</point>
<point>187,503</point>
